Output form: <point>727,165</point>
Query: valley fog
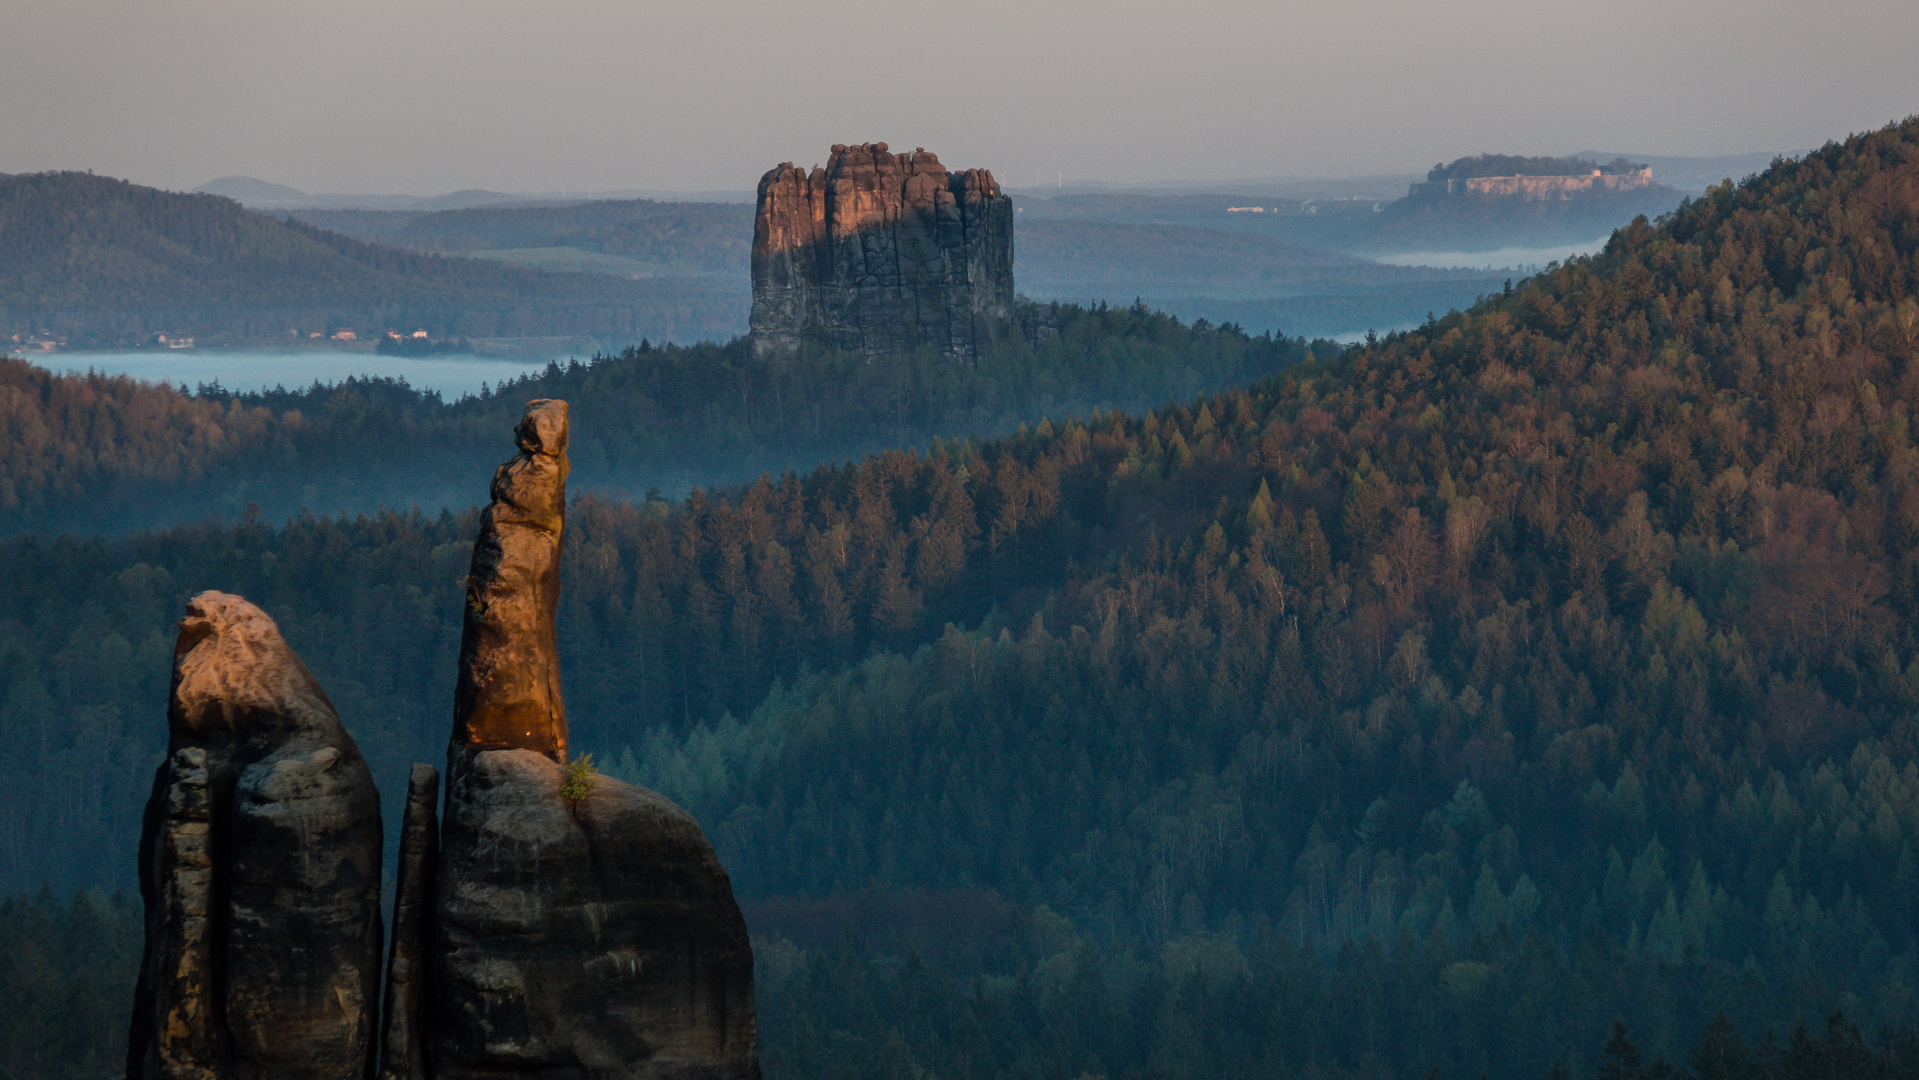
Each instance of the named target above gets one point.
<point>1517,259</point>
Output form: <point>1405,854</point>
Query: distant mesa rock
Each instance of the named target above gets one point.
<point>590,938</point>
<point>260,868</point>
<point>881,253</point>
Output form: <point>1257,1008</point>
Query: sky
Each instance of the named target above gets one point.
<point>428,96</point>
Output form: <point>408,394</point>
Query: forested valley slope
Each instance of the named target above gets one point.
<point>95,453</point>
<point>1431,706</point>
<point>102,263</point>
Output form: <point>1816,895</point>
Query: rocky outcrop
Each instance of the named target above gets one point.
<point>260,868</point>
<point>583,933</point>
<point>881,253</point>
<point>553,924</point>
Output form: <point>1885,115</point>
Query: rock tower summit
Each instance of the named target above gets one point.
<point>881,253</point>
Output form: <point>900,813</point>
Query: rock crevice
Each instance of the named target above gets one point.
<point>403,1053</point>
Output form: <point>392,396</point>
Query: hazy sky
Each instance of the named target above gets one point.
<point>425,96</point>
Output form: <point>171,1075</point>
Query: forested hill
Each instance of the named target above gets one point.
<point>1428,708</point>
<point>92,453</point>
<point>106,262</point>
<point>688,238</point>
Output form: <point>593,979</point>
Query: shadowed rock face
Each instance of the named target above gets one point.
<point>259,865</point>
<point>881,253</point>
<point>403,1053</point>
<point>569,939</point>
<point>508,693</point>
<point>597,939</point>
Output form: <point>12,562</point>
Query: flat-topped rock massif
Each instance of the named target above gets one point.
<point>549,923</point>
<point>881,253</point>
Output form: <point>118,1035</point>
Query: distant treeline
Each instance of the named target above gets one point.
<point>1516,165</point>
<point>99,453</point>
<point>694,238</point>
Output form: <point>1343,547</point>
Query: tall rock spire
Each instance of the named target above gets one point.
<point>508,694</point>
<point>580,931</point>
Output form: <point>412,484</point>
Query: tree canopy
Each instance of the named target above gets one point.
<point>1434,705</point>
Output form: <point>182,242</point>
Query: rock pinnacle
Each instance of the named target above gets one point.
<point>508,694</point>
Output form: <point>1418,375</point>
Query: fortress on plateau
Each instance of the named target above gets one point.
<point>1534,188</point>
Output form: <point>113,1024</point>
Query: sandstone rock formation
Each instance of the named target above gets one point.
<point>881,253</point>
<point>590,937</point>
<point>508,693</point>
<point>598,938</point>
<point>260,868</point>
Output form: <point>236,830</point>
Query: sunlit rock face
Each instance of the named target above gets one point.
<point>260,868</point>
<point>881,253</point>
<point>586,936</point>
<point>508,693</point>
